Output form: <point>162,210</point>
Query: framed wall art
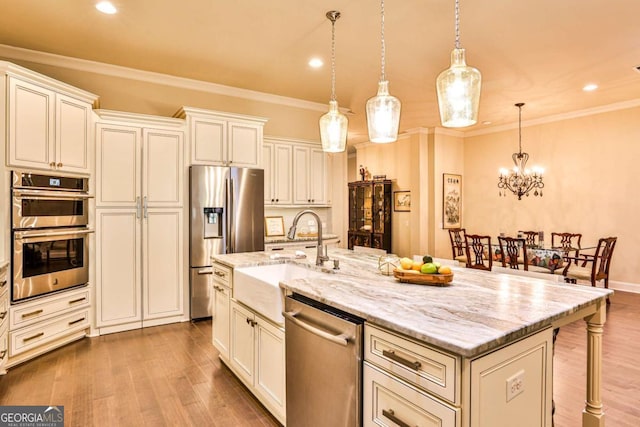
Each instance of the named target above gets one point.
<point>273,226</point>
<point>451,201</point>
<point>402,201</point>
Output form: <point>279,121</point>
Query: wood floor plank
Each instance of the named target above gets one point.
<point>171,375</point>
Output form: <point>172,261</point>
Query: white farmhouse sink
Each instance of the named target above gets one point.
<point>258,286</point>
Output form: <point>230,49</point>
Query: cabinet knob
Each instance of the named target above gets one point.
<point>52,164</point>
<point>273,200</point>
<point>59,165</point>
<point>277,200</point>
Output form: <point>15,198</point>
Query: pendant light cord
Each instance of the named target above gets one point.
<point>520,105</point>
<point>457,17</point>
<point>383,48</point>
<point>333,57</point>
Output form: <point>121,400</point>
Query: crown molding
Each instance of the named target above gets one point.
<point>558,117</point>
<point>95,67</point>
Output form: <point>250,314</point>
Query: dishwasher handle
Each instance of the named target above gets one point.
<point>341,339</point>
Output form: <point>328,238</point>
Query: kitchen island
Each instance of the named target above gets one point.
<point>474,319</point>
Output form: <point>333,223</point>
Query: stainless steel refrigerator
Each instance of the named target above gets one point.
<point>226,216</point>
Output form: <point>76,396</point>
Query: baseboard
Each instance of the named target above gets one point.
<point>624,286</point>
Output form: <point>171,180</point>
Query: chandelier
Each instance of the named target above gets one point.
<point>333,125</point>
<point>520,180</point>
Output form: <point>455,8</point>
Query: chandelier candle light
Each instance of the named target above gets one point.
<point>458,87</point>
<point>333,125</point>
<point>383,110</point>
<point>520,180</point>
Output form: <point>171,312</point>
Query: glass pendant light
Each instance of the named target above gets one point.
<point>458,88</point>
<point>333,125</point>
<point>383,110</point>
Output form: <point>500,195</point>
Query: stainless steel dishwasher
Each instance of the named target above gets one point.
<point>324,364</point>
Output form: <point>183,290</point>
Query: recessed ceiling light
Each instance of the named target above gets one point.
<point>106,7</point>
<point>316,63</point>
<point>590,87</point>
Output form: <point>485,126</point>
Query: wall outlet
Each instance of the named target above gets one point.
<point>515,385</point>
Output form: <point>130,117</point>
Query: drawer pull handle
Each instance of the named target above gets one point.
<point>33,337</point>
<point>33,313</point>
<point>218,288</point>
<point>3,284</point>
<point>391,415</point>
<point>401,360</point>
<point>220,273</point>
<point>77,300</point>
<point>3,315</point>
<point>76,321</point>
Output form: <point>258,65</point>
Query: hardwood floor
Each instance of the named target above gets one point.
<point>171,376</point>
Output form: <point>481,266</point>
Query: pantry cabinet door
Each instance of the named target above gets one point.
<point>118,278</point>
<point>118,173</point>
<point>163,168</point>
<point>162,263</point>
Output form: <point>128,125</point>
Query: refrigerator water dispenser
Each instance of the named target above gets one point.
<point>213,223</point>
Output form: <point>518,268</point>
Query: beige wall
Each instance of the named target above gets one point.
<point>591,183</point>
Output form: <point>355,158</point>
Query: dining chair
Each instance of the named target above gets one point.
<point>458,243</point>
<point>592,268</point>
<point>478,250</point>
<point>532,237</point>
<point>570,242</point>
<point>514,254</point>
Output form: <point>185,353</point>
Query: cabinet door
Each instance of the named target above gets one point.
<point>162,263</point>
<point>163,167</point>
<point>242,342</point>
<point>282,176</point>
<point>118,174</point>
<point>270,365</point>
<point>244,144</point>
<point>73,128</point>
<point>269,170</point>
<point>31,129</point>
<point>317,176</point>
<point>208,141</point>
<point>220,319</point>
<point>301,175</point>
<point>118,278</point>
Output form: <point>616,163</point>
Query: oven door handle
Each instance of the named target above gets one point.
<point>39,194</point>
<point>24,236</point>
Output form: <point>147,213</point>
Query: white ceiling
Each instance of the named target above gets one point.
<point>541,52</point>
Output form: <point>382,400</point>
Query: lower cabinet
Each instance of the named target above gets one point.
<point>41,325</point>
<point>410,383</point>
<point>220,319</point>
<point>257,357</point>
<point>389,401</point>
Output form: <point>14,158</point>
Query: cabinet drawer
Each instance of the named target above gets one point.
<point>391,402</point>
<point>34,336</point>
<point>422,366</point>
<point>4,309</point>
<point>222,274</point>
<point>31,312</point>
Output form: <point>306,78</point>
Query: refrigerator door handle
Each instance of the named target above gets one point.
<point>229,215</point>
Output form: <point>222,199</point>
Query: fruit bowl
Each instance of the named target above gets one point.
<point>415,277</point>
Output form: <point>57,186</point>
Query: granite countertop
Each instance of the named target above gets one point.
<point>283,239</point>
<point>478,312</point>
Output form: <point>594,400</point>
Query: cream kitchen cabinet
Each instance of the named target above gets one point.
<point>310,176</point>
<point>4,316</point>
<point>278,176</point>
<point>257,357</point>
<point>48,122</point>
<point>140,271</point>
<point>223,139</point>
<point>222,284</point>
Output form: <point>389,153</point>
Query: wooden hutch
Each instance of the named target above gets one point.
<point>370,205</point>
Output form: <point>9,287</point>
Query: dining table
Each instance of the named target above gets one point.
<point>549,257</point>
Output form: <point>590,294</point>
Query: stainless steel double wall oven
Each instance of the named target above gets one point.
<point>50,234</point>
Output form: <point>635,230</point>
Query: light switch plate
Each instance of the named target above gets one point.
<point>515,385</point>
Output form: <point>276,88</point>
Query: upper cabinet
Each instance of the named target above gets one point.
<point>295,173</point>
<point>223,139</point>
<point>48,122</point>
